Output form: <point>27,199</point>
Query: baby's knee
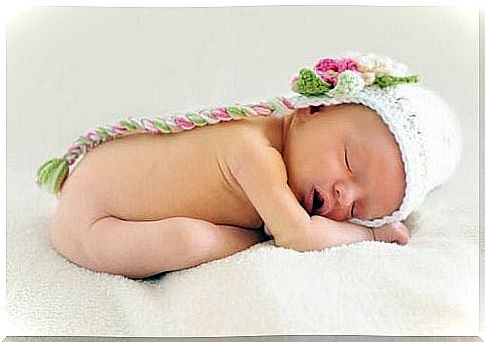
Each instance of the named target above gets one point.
<point>66,238</point>
<point>189,234</point>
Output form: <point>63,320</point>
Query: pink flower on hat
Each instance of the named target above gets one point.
<point>326,64</point>
<point>346,64</point>
<point>330,76</point>
<point>329,68</point>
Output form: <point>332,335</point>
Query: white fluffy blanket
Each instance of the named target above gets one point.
<point>429,287</point>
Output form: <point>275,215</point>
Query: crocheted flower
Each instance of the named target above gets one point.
<point>330,77</point>
<point>379,65</point>
<point>368,77</point>
<point>383,71</point>
<point>349,82</point>
<point>348,75</point>
<point>326,64</point>
<point>329,68</point>
<point>346,64</point>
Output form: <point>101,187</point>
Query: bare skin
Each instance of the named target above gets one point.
<point>146,204</point>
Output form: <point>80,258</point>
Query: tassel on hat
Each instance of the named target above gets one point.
<point>52,174</point>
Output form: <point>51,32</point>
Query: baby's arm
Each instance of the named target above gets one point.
<point>261,172</point>
<point>342,233</point>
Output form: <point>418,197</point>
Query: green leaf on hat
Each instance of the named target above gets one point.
<point>310,84</point>
<point>388,80</point>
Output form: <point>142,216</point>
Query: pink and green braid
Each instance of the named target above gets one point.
<point>54,172</point>
<point>329,77</point>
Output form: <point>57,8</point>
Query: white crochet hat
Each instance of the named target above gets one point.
<point>426,130</point>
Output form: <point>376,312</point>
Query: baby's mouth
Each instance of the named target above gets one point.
<point>315,202</point>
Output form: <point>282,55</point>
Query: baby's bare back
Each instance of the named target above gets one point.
<point>152,177</point>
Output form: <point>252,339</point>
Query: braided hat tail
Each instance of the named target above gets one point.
<point>52,174</point>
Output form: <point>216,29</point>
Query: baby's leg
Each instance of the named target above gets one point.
<point>138,249</point>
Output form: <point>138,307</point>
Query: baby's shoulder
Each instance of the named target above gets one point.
<point>247,137</point>
<point>251,148</point>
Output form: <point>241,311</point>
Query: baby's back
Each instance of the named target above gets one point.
<point>152,177</point>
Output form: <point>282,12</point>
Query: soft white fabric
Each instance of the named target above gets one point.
<point>429,287</point>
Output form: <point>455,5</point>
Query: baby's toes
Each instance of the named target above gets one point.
<point>393,232</point>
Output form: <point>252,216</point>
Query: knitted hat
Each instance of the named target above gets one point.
<point>426,130</point>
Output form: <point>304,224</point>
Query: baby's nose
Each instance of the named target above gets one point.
<point>344,198</point>
<point>344,194</point>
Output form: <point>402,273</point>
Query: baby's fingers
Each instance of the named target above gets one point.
<point>393,232</point>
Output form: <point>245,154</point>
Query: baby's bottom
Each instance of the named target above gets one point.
<point>138,249</point>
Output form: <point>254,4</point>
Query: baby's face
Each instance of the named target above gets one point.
<point>343,162</point>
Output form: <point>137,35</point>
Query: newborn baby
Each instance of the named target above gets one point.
<point>321,175</point>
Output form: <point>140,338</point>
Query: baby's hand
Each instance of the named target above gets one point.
<point>392,232</point>
<point>324,232</point>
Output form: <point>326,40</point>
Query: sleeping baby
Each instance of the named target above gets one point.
<point>345,158</point>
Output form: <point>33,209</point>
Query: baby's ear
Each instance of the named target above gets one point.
<point>309,112</point>
<point>315,109</point>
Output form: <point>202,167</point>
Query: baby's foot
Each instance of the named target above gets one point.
<point>392,232</point>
